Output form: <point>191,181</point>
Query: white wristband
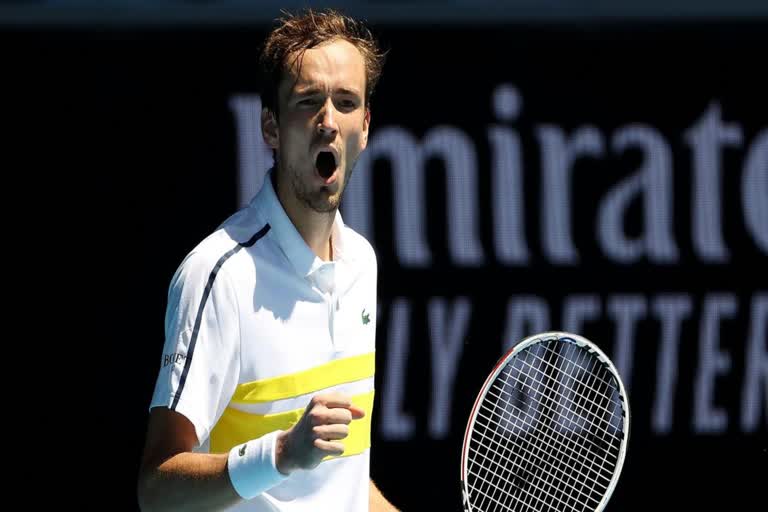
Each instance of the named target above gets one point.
<point>251,466</point>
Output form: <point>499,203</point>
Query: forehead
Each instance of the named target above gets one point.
<point>338,64</point>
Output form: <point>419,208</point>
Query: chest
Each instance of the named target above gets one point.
<point>289,325</point>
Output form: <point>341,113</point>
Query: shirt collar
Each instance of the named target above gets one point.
<point>288,238</point>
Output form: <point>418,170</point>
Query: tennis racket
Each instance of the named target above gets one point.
<point>548,430</point>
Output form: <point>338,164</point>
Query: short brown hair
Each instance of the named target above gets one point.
<point>299,32</point>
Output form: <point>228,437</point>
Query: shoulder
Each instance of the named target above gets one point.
<point>209,256</point>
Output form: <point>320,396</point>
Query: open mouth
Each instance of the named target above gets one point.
<point>325,164</point>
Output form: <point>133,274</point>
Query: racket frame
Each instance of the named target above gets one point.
<point>501,363</point>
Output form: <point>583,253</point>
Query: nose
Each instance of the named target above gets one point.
<point>327,123</point>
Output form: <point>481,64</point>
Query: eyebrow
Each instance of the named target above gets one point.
<point>344,90</point>
<point>316,90</point>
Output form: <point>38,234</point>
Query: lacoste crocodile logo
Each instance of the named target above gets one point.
<point>366,317</point>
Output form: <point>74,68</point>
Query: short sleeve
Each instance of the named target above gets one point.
<point>199,367</point>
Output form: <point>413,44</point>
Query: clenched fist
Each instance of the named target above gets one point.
<point>317,434</point>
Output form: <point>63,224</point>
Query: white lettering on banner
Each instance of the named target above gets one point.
<point>626,310</point>
<point>713,362</point>
<point>526,315</point>
<point>254,156</point>
<point>447,332</point>
<point>754,190</point>
<point>579,309</point>
<point>396,424</point>
<point>558,155</point>
<point>671,310</point>
<point>565,157</point>
<point>507,175</point>
<point>408,155</point>
<point>707,138</point>
<point>654,182</point>
<point>755,394</point>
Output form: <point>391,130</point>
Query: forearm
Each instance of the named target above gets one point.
<point>377,502</point>
<point>188,481</point>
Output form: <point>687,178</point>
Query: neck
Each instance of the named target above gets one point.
<point>313,226</point>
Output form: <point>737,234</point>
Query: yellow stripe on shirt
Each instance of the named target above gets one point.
<point>235,427</point>
<point>339,371</point>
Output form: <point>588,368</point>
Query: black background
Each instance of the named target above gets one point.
<point>131,134</point>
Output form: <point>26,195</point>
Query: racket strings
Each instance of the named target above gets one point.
<point>539,383</point>
<point>494,497</point>
<point>541,457</point>
<point>573,457</point>
<point>534,418</point>
<point>599,374</point>
<point>560,439</point>
<point>550,474</point>
<point>577,462</point>
<point>491,465</point>
<point>608,394</point>
<point>581,399</point>
<point>546,460</point>
<point>556,437</point>
<point>523,492</point>
<point>602,370</point>
<point>542,446</point>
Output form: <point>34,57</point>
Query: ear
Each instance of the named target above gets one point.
<point>366,125</point>
<point>269,129</point>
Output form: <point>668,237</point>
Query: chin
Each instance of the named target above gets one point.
<point>324,202</point>
<point>332,203</point>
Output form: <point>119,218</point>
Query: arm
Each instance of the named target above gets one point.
<point>172,477</point>
<point>202,317</point>
<point>377,502</point>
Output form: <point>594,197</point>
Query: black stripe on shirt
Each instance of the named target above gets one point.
<point>198,320</point>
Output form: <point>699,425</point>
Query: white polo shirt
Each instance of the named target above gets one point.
<point>255,326</point>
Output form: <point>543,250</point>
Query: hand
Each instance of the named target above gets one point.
<point>317,434</point>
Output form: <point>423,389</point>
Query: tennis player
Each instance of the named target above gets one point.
<point>264,395</point>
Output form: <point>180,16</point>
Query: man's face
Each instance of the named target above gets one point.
<point>322,126</point>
